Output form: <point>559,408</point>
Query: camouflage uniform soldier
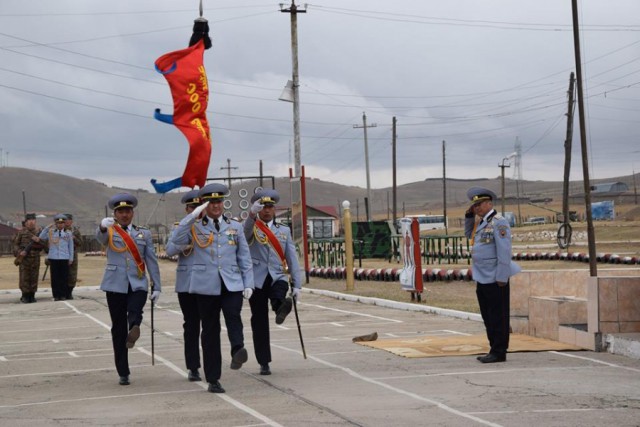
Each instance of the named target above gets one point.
<point>26,248</point>
<point>77,243</point>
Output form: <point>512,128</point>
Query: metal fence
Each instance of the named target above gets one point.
<point>434,250</point>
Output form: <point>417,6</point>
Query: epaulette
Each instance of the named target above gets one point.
<point>176,223</point>
<point>139,227</point>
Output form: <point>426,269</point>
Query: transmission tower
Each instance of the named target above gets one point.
<point>517,167</point>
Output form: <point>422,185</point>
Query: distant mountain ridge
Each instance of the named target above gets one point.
<point>49,193</point>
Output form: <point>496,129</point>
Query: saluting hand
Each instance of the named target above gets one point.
<point>470,212</point>
<point>256,207</point>
<point>198,211</point>
<point>107,222</point>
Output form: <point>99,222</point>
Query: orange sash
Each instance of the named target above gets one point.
<point>131,247</point>
<point>274,242</point>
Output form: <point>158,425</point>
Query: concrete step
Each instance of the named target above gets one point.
<point>624,344</point>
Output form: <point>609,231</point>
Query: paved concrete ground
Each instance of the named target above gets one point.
<point>56,368</point>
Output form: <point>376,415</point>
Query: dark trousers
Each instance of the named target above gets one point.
<point>259,302</point>
<point>495,308</point>
<point>59,277</point>
<point>191,329</point>
<point>209,307</point>
<point>125,311</point>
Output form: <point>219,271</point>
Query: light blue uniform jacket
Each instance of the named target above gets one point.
<point>121,268</point>
<point>491,252</point>
<point>185,261</point>
<point>266,260</point>
<point>217,256</point>
<point>60,244</point>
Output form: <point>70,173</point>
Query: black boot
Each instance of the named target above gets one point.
<point>24,298</point>
<point>32,297</point>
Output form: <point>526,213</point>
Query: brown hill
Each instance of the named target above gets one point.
<point>49,193</point>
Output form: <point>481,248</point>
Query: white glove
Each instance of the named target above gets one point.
<point>256,207</point>
<point>247,293</point>
<point>197,211</point>
<point>155,295</point>
<point>295,293</point>
<point>107,222</point>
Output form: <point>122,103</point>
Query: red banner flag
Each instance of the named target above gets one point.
<point>187,78</point>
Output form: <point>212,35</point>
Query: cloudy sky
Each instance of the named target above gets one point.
<point>79,89</point>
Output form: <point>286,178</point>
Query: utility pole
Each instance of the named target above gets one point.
<point>567,151</point>
<point>228,168</point>
<point>366,159</point>
<point>444,188</point>
<point>388,206</point>
<point>293,10</point>
<point>635,189</point>
<point>393,161</point>
<point>24,203</point>
<point>502,166</point>
<point>591,236</point>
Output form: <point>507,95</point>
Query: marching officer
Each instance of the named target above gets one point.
<point>77,243</point>
<point>490,238</point>
<point>60,255</point>
<point>220,276</point>
<point>27,248</point>
<point>274,258</point>
<point>130,254</point>
<point>188,302</point>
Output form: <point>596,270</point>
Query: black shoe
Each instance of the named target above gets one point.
<point>238,358</point>
<point>70,297</point>
<point>56,299</point>
<point>32,297</point>
<point>264,369</point>
<point>482,356</point>
<point>124,380</point>
<point>283,310</point>
<point>493,358</point>
<point>24,298</point>
<point>215,387</point>
<point>134,334</point>
<point>194,375</point>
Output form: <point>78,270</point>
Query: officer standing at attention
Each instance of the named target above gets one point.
<point>130,255</point>
<point>188,302</point>
<point>60,256</point>
<point>77,243</point>
<point>274,258</point>
<point>27,248</point>
<point>220,276</point>
<point>490,238</point>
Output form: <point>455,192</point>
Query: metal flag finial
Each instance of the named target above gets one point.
<point>200,8</point>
